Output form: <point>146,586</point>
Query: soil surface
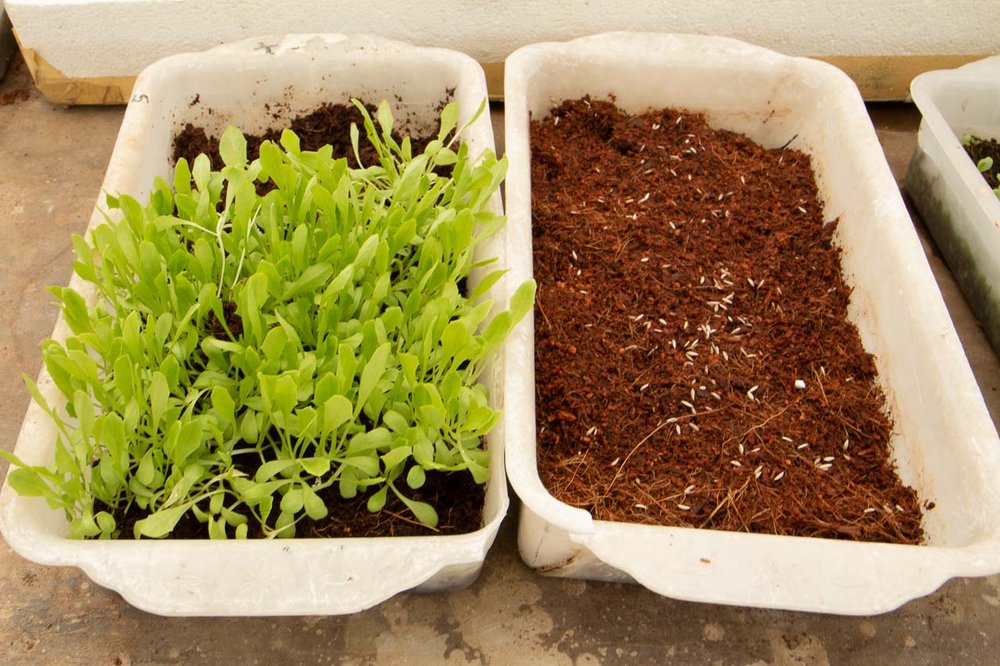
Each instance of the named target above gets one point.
<point>978,149</point>
<point>329,124</point>
<point>694,363</point>
<point>457,499</point>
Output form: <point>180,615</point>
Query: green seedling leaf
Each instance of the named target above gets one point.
<point>371,373</point>
<point>233,147</point>
<point>415,477</point>
<point>423,512</point>
<point>159,524</point>
<point>377,501</point>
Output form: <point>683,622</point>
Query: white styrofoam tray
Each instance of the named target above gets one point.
<point>954,200</point>
<point>945,446</point>
<point>232,83</point>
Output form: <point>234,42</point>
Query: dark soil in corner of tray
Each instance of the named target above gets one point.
<point>328,124</point>
<point>694,361</point>
<point>977,149</point>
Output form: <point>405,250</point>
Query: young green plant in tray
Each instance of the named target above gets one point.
<point>247,351</point>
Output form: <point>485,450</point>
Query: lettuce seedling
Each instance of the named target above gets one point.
<point>246,351</point>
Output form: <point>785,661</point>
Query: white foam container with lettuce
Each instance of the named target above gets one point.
<point>243,84</point>
<point>945,446</point>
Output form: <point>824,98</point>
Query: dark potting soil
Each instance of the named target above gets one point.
<point>694,362</point>
<point>328,124</point>
<point>978,149</point>
<point>456,497</point>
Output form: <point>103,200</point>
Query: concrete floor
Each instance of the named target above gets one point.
<point>52,161</point>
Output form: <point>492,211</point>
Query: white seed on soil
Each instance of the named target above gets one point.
<point>716,395</point>
<point>735,463</point>
<point>800,385</point>
<point>825,467</point>
<point>804,445</point>
<point>870,510</point>
<point>757,472</point>
<point>644,260</point>
<point>779,476</point>
<point>655,127</point>
<point>788,439</point>
<point>573,254</point>
<point>741,449</point>
<point>678,428</point>
<point>689,489</point>
<point>683,507</point>
<point>688,405</point>
<point>847,443</point>
<point>641,506</point>
<point>899,508</point>
<point>694,426</point>
<point>614,462</point>
<point>751,391</point>
<point>644,387</point>
<point>828,459</point>
<point>592,431</point>
<point>644,198</point>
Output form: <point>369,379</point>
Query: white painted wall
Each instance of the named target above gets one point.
<point>90,38</point>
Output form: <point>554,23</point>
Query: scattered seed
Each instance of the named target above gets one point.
<point>683,507</point>
<point>804,445</point>
<point>641,506</point>
<point>614,462</point>
<point>735,463</point>
<point>779,476</point>
<point>799,384</point>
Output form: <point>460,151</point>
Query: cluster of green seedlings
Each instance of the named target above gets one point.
<point>985,164</point>
<point>245,351</point>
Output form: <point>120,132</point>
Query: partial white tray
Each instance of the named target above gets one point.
<point>945,446</point>
<point>954,200</point>
<point>231,85</point>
